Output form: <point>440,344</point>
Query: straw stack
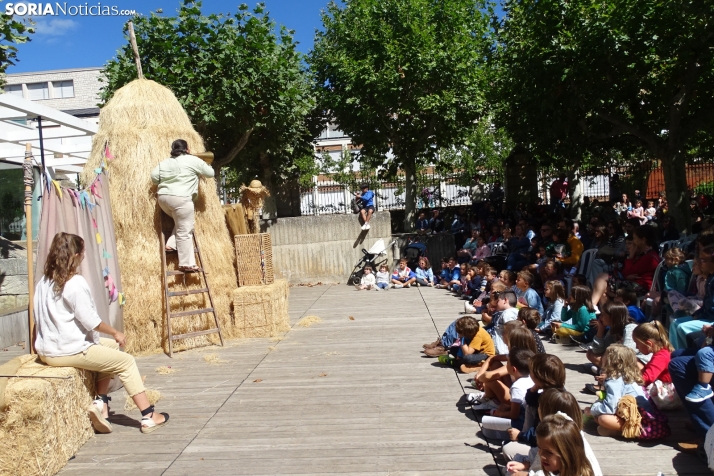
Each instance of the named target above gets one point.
<point>44,422</point>
<point>262,311</point>
<point>139,124</point>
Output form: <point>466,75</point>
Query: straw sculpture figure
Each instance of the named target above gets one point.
<point>253,197</point>
<point>138,125</point>
<point>44,421</point>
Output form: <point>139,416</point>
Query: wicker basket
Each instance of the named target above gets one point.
<point>254,259</point>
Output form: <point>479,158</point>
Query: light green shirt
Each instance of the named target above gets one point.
<point>178,176</point>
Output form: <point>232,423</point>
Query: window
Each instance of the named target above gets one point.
<point>63,89</point>
<point>15,89</point>
<point>37,91</point>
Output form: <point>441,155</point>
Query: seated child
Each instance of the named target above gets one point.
<point>628,297</point>
<point>622,378</point>
<point>508,278</point>
<point>704,360</point>
<point>481,298</point>
<point>562,446</point>
<point>610,326</point>
<point>527,296</point>
<point>383,277</point>
<point>482,250</point>
<point>546,371</point>
<point>475,346</point>
<point>686,304</point>
<point>575,320</point>
<point>531,319</point>
<point>511,414</point>
<point>651,338</point>
<point>368,281</point>
<point>555,293</point>
<point>424,275</point>
<point>444,273</point>
<point>505,305</point>
<point>650,211</point>
<point>403,276</point>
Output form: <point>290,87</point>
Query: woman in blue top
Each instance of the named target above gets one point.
<point>367,197</point>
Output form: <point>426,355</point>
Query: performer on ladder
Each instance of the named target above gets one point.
<point>177,180</point>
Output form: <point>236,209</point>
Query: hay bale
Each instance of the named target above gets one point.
<point>151,394</point>
<point>139,124</point>
<point>45,422</point>
<point>235,219</point>
<point>262,311</point>
<point>254,259</point>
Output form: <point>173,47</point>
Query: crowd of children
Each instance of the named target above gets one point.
<point>641,370</point>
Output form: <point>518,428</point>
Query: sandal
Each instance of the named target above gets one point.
<point>591,388</point>
<point>148,424</point>
<point>170,250</point>
<point>100,424</point>
<point>189,269</point>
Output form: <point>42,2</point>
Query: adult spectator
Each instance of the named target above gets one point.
<point>576,246</point>
<point>422,223</point>
<point>458,227</point>
<point>613,251</point>
<point>683,370</point>
<point>478,194</point>
<point>436,224</point>
<point>558,192</point>
<point>638,270</point>
<point>623,205</point>
<point>518,247</point>
<point>669,230</point>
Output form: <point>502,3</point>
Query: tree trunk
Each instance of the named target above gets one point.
<point>409,166</point>
<point>674,168</point>
<point>575,189</point>
<point>270,209</point>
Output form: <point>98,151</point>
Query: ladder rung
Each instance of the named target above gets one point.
<point>191,313</point>
<point>186,293</point>
<point>195,334</point>
<point>174,273</point>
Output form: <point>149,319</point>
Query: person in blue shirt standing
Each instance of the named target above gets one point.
<point>367,197</point>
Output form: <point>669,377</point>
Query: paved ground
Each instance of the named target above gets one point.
<point>351,394</point>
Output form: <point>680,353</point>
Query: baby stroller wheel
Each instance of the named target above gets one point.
<point>354,280</point>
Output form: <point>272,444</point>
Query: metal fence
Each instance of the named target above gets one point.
<point>327,196</point>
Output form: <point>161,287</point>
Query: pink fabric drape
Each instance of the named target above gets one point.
<point>86,213</point>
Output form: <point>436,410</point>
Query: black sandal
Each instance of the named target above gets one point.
<point>148,424</point>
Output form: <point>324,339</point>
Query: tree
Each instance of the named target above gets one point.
<point>581,77</point>
<point>12,32</point>
<point>402,76</point>
<point>241,83</point>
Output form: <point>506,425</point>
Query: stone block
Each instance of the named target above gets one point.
<point>8,302</point>
<point>8,267</point>
<point>14,285</point>
<point>22,300</point>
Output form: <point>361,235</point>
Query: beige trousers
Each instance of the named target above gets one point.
<point>181,210</point>
<point>107,360</point>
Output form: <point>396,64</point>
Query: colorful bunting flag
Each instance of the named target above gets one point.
<point>107,154</point>
<point>59,189</point>
<point>105,254</point>
<point>99,239</point>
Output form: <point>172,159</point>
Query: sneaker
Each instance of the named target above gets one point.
<point>486,404</point>
<point>597,310</point>
<point>367,226</point>
<point>431,345</point>
<point>364,226</point>
<point>475,397</point>
<point>436,351</point>
<point>407,285</point>
<point>699,393</point>
<point>595,370</point>
<point>446,359</point>
<point>468,308</point>
<point>398,286</point>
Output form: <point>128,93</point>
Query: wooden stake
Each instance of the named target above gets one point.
<point>137,59</point>
<point>29,179</point>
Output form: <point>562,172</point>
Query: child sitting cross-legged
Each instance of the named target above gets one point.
<point>368,280</point>
<point>403,276</point>
<point>555,292</point>
<point>424,274</point>
<point>530,317</point>
<point>610,330</point>
<point>493,381</point>
<point>623,408</point>
<point>575,320</point>
<point>651,338</point>
<point>490,276</point>
<point>474,348</point>
<point>511,413</point>
<point>504,303</point>
<point>383,277</point>
<point>562,447</point>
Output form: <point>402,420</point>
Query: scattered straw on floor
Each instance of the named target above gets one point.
<point>277,339</point>
<point>153,396</point>
<point>309,321</point>
<point>45,422</point>
<point>271,348</point>
<point>138,125</point>
<point>165,370</point>
<point>213,359</point>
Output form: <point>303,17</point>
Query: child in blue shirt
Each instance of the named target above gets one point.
<point>424,274</point>
<point>367,197</point>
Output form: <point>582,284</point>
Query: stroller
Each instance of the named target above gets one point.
<point>413,252</point>
<point>369,258</point>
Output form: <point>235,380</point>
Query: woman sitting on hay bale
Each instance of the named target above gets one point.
<point>68,328</point>
<point>177,178</point>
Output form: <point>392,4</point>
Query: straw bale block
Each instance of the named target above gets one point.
<point>45,421</point>
<point>262,311</point>
<point>254,259</point>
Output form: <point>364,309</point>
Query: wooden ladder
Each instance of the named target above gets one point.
<point>169,294</point>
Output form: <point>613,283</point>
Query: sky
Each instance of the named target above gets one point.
<point>64,41</point>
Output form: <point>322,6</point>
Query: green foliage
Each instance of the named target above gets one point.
<point>11,199</point>
<point>12,32</point>
<point>240,81</point>
<point>578,79</point>
<point>402,76</point>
